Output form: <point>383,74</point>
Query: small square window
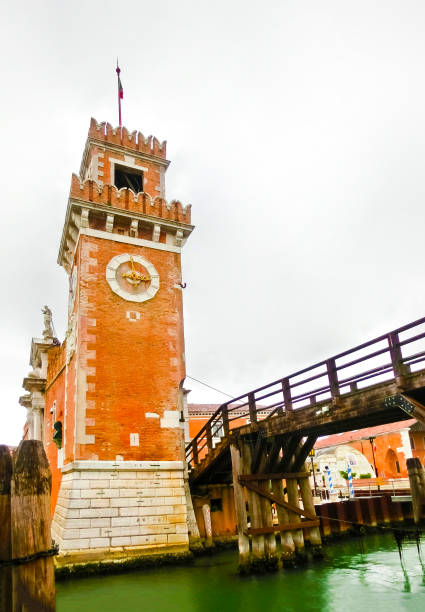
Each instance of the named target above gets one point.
<point>216,505</point>
<point>134,439</point>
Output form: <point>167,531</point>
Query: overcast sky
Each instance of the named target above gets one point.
<point>296,129</point>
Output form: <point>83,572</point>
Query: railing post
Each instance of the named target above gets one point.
<point>195,451</point>
<point>333,378</point>
<point>286,389</point>
<point>209,437</point>
<point>396,356</point>
<point>225,419</point>
<point>252,408</point>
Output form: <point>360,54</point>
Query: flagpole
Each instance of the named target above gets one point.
<point>119,94</point>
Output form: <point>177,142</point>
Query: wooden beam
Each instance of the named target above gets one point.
<point>278,500</point>
<point>302,453</point>
<point>278,528</point>
<point>279,476</point>
<point>293,443</point>
<point>273,453</point>
<point>257,452</point>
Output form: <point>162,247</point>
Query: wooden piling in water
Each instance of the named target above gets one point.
<point>5,526</point>
<point>287,542</point>
<point>206,513</point>
<point>33,581</point>
<point>293,498</point>
<point>416,479</point>
<point>243,540</point>
<point>308,504</point>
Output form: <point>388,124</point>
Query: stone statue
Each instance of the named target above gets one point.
<point>48,329</point>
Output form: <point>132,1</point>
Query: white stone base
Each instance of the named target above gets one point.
<point>121,506</point>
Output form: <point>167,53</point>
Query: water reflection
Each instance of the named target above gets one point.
<point>353,576</point>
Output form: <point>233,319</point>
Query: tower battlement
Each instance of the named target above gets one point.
<point>135,140</point>
<point>90,190</point>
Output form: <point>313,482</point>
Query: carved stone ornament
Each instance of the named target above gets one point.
<point>48,329</point>
<point>132,277</point>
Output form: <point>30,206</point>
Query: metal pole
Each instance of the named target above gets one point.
<point>371,439</point>
<point>314,477</point>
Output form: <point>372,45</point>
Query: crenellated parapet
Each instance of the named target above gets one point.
<point>126,199</point>
<point>104,211</point>
<point>135,140</point>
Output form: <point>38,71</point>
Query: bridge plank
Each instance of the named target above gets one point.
<point>278,476</point>
<point>286,527</point>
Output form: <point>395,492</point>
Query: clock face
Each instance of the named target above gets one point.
<point>132,277</point>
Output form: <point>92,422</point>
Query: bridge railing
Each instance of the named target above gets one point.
<point>384,358</point>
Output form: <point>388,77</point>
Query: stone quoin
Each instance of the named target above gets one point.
<point>108,402</point>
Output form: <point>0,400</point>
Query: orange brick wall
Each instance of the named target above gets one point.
<point>419,443</point>
<point>133,366</point>
<point>384,444</point>
<point>55,392</point>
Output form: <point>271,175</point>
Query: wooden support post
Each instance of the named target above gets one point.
<point>396,356</point>
<point>385,510</point>
<point>5,526</point>
<point>368,510</point>
<point>34,582</point>
<point>255,509</point>
<point>308,504</point>
<point>266,509</point>
<point>355,511</point>
<point>323,511</point>
<point>286,390</point>
<point>209,437</point>
<point>415,470</point>
<point>396,512</point>
<point>287,542</point>
<point>225,419</point>
<point>252,408</point>
<point>293,498</point>
<point>195,451</point>
<point>240,509</point>
<point>333,378</point>
<point>206,513</point>
<point>342,516</point>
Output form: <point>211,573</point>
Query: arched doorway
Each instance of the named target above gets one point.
<point>392,464</point>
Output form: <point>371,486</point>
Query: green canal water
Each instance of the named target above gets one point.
<point>347,579</point>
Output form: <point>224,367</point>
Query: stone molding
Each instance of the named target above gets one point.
<point>111,466</point>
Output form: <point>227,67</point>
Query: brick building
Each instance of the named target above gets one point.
<point>387,446</point>
<point>108,402</point>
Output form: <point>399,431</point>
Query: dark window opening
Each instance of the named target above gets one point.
<point>412,443</point>
<point>397,467</point>
<point>129,178</point>
<point>216,505</point>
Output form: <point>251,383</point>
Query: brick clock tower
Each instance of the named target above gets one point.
<point>109,400</point>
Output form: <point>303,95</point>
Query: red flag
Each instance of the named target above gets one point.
<point>120,89</point>
<point>120,93</point>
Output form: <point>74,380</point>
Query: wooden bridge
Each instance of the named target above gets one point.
<point>378,382</point>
